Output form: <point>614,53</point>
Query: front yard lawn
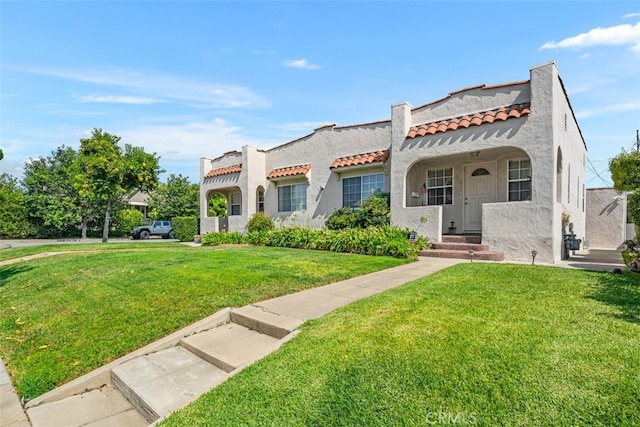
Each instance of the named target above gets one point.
<point>65,315</point>
<point>476,344</point>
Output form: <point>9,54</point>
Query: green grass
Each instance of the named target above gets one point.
<point>481,344</point>
<point>65,315</point>
<point>12,253</point>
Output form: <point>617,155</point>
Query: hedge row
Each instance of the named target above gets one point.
<point>185,228</point>
<point>387,240</point>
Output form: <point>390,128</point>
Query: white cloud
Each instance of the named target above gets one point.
<point>614,108</point>
<point>117,99</point>
<point>189,141</point>
<point>619,35</point>
<point>300,63</point>
<point>165,87</point>
<point>630,15</point>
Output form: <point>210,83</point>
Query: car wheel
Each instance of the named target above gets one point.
<point>144,234</point>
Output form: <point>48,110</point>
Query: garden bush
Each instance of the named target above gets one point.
<point>227,237</point>
<point>185,228</point>
<point>340,219</point>
<point>374,211</point>
<point>260,222</point>
<point>127,220</point>
<point>389,241</point>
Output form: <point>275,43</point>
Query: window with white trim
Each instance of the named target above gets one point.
<point>260,200</point>
<point>357,189</point>
<point>519,180</point>
<point>236,203</point>
<point>292,197</point>
<point>440,187</point>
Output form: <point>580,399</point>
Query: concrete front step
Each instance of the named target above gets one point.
<point>474,238</point>
<point>159,383</point>
<point>460,246</point>
<point>230,346</point>
<point>463,254</point>
<point>265,322</point>
<point>103,407</point>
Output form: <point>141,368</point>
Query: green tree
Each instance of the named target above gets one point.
<point>1,154</point>
<point>218,205</point>
<point>53,204</point>
<point>625,172</point>
<point>13,214</point>
<point>175,198</point>
<point>106,173</point>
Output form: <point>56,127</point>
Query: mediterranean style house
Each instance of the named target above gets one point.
<point>504,162</point>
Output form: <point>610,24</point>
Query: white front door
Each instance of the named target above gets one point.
<point>479,188</point>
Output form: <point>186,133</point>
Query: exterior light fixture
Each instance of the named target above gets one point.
<point>471,254</point>
<point>533,256</point>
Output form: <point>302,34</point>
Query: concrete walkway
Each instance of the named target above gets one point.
<point>168,374</point>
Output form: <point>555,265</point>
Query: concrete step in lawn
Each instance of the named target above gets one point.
<point>103,407</point>
<point>161,382</point>
<point>141,390</point>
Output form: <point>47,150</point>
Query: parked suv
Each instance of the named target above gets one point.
<point>157,228</point>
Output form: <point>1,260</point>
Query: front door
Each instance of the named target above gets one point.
<point>479,188</point>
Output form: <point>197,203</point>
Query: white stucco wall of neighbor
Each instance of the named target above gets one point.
<point>606,223</point>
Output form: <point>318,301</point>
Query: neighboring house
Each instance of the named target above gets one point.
<point>503,161</point>
<point>139,200</point>
<point>607,224</point>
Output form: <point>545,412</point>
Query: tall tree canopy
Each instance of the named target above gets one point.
<point>52,202</point>
<point>177,197</point>
<point>625,172</point>
<point>106,173</point>
<point>13,219</point>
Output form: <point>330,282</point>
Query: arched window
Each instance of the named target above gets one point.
<point>480,172</point>
<point>559,176</point>
<point>260,199</point>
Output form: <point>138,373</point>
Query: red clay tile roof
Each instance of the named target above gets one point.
<point>501,114</point>
<point>361,159</point>
<point>289,171</point>
<point>224,171</point>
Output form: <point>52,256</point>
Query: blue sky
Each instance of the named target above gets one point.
<point>191,79</point>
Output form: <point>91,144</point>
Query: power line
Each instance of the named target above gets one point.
<point>595,171</point>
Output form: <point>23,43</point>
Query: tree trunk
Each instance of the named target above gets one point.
<point>83,227</point>
<point>107,219</point>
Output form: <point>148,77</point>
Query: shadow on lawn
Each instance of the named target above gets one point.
<point>11,270</point>
<point>621,291</point>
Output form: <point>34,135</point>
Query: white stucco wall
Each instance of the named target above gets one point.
<point>606,221</point>
<point>513,227</point>
<point>320,149</point>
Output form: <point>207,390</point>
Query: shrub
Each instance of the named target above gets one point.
<point>374,211</point>
<point>231,237</point>
<point>127,220</point>
<point>260,222</point>
<point>185,228</point>
<point>340,219</point>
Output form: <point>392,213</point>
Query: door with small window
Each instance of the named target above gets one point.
<point>479,188</point>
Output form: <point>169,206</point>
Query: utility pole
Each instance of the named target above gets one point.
<point>637,140</point>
